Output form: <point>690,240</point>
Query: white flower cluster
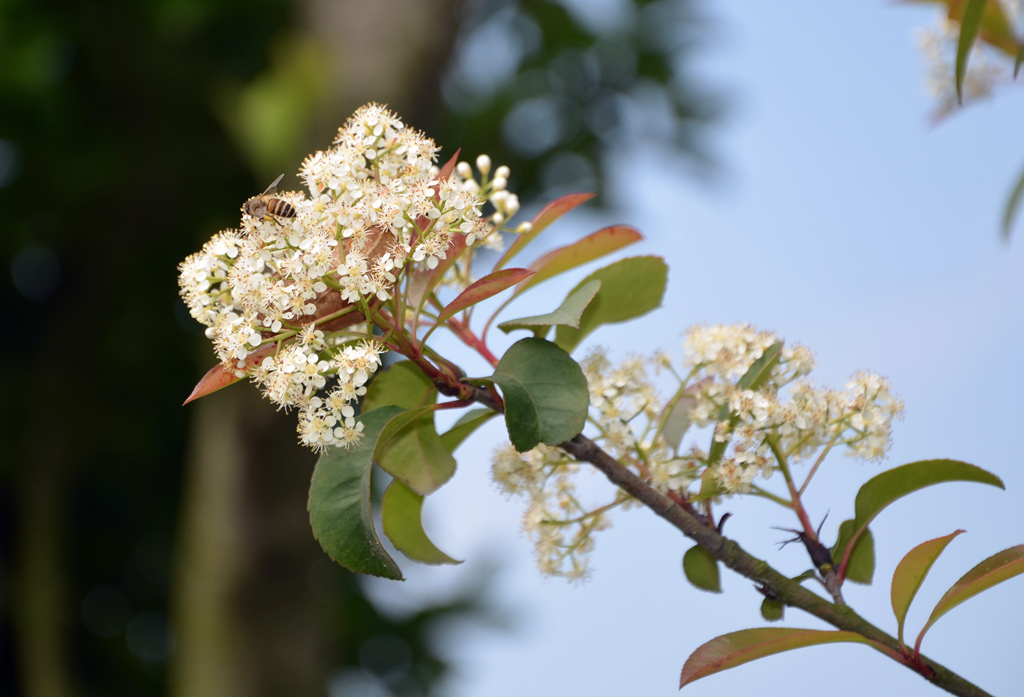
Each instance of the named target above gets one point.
<point>276,294</point>
<point>559,525</point>
<point>762,425</point>
<point>781,415</point>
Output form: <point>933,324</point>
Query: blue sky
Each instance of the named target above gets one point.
<point>844,222</point>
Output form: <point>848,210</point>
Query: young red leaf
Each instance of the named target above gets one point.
<point>910,574</point>
<point>424,281</point>
<point>218,378</point>
<point>482,289</point>
<point>449,166</point>
<point>547,215</point>
<point>593,246</point>
<point>737,648</point>
<point>994,570</point>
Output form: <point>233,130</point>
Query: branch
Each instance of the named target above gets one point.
<point>732,555</point>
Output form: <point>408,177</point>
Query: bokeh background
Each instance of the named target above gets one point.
<point>782,159</point>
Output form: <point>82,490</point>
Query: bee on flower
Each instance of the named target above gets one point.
<point>305,273</point>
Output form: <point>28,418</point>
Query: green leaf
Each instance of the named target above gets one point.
<point>400,511</point>
<point>772,610</point>
<point>568,313</point>
<point>339,503</point>
<point>482,289</point>
<point>593,246</point>
<point>1012,204</point>
<point>701,569</point>
<point>737,648</point>
<point>675,420</point>
<point>401,385</point>
<point>761,369</point>
<point>410,450</point>
<point>709,486</point>
<point>629,288</point>
<point>993,571</point>
<point>969,26</point>
<point>881,490</point>
<point>910,574</point>
<point>861,565</point>
<point>467,423</point>
<point>545,392</point>
<point>547,215</point>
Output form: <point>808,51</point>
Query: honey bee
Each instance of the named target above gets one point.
<point>259,207</point>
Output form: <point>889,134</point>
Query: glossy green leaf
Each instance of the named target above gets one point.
<point>467,423</point>
<point>547,215</point>
<point>593,246</point>
<point>1012,205</point>
<point>480,290</point>
<point>339,503</point>
<point>969,26</point>
<point>993,571</point>
<point>402,385</point>
<point>401,510</point>
<point>701,569</point>
<point>910,574</point>
<point>568,313</point>
<point>772,610</point>
<point>881,490</point>
<point>410,450</point>
<point>545,393</point>
<point>629,288</point>
<point>737,648</point>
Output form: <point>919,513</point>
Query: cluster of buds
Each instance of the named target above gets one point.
<point>291,296</point>
<point>753,431</point>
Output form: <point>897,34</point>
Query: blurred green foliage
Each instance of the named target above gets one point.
<point>129,132</point>
<point>549,89</point>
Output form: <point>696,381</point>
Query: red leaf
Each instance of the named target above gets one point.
<point>593,246</point>
<point>218,378</point>
<point>449,166</point>
<point>737,648</point>
<point>547,215</point>
<point>482,289</point>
